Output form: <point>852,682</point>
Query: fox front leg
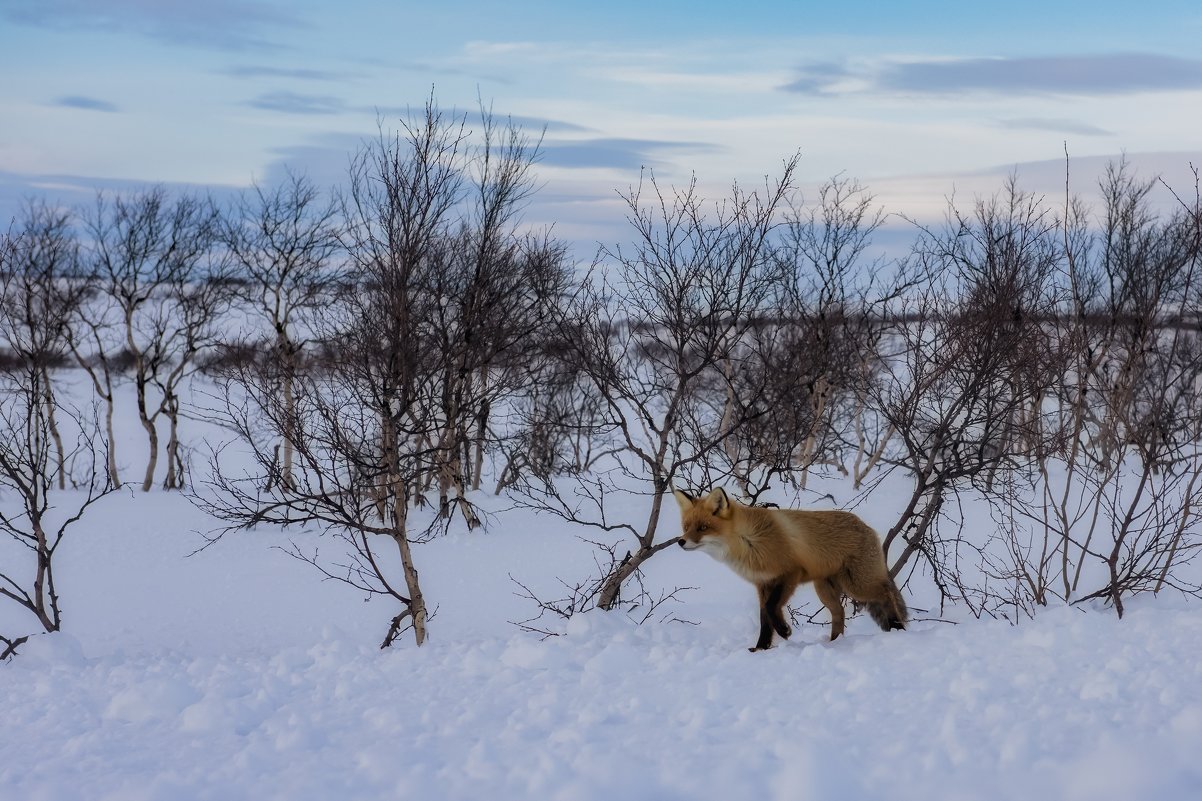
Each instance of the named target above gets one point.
<point>771,599</point>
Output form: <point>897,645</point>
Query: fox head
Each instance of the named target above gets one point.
<point>704,522</point>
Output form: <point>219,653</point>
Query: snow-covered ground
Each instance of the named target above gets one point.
<point>237,674</point>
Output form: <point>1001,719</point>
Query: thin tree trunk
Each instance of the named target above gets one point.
<point>112,442</point>
<point>52,424</point>
<point>175,464</point>
<point>103,390</point>
<point>730,445</point>
<point>152,436</point>
<point>611,588</point>
<point>1183,522</point>
<point>481,434</point>
<point>809,448</point>
<point>1112,562</point>
<point>446,451</point>
<point>918,535</point>
<point>45,600</point>
<point>289,356</point>
<point>920,488</point>
<point>140,380</point>
<point>417,602</point>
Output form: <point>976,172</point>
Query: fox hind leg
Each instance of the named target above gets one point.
<point>884,603</point>
<point>833,601</point>
<point>889,608</point>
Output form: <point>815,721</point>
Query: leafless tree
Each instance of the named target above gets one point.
<point>31,514</point>
<point>41,291</point>
<point>964,391</point>
<point>95,340</point>
<point>498,286</point>
<point>1135,506</point>
<point>141,245</point>
<point>365,428</point>
<point>808,363</point>
<point>284,240</point>
<point>358,447</point>
<point>654,332</point>
<point>559,425</point>
<point>198,301</point>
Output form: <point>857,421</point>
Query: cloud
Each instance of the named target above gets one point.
<point>286,102</point>
<point>614,153</point>
<point>251,71</point>
<point>536,124</point>
<point>819,78</point>
<point>531,125</point>
<point>222,24</point>
<point>296,103</point>
<point>86,103</point>
<point>312,104</point>
<point>324,159</point>
<point>924,196</point>
<point>1089,75</point>
<point>1106,74</point>
<point>80,191</point>
<point>1055,125</point>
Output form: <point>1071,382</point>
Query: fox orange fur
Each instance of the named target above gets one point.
<point>778,549</point>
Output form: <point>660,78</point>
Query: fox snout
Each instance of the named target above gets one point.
<point>688,546</point>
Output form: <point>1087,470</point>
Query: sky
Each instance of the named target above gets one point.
<point>918,100</point>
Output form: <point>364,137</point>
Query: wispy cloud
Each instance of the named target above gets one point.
<point>223,24</point>
<point>86,103</point>
<point>286,102</point>
<point>326,156</point>
<point>253,71</point>
<point>539,123</point>
<point>820,78</point>
<point>80,190</point>
<point>477,49</point>
<point>1055,125</point>
<point>701,80</point>
<point>529,124</point>
<point>324,159</point>
<point>297,103</point>
<point>614,153</point>
<point>1105,74</point>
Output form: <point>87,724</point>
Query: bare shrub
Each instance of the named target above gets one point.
<point>38,298</point>
<point>655,334</point>
<point>149,254</point>
<point>283,241</point>
<point>1125,493</point>
<point>964,391</point>
<point>40,293</point>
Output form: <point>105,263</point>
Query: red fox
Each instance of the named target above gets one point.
<point>778,549</point>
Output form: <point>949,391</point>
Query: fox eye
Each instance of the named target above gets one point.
<point>703,527</point>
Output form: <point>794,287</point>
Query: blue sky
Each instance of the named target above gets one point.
<point>916,99</point>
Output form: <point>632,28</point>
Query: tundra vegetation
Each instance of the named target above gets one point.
<point>380,349</point>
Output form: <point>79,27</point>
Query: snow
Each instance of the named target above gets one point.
<point>237,674</point>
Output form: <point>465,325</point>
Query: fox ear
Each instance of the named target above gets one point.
<point>684,499</point>
<point>719,502</point>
